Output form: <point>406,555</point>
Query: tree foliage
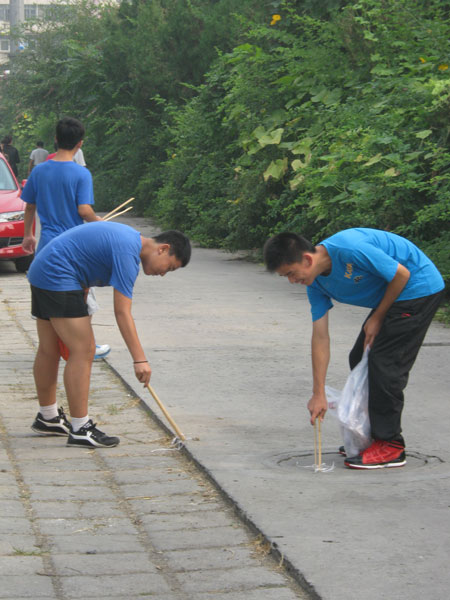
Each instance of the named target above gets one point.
<point>319,124</point>
<point>116,68</point>
<point>236,120</point>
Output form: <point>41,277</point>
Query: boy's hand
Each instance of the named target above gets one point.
<point>317,406</point>
<point>372,329</point>
<point>143,372</point>
<point>393,290</point>
<point>29,244</point>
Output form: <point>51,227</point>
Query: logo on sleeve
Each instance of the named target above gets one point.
<point>358,278</point>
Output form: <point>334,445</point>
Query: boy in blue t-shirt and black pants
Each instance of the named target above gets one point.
<point>384,272</point>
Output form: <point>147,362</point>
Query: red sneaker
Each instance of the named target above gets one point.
<point>379,455</point>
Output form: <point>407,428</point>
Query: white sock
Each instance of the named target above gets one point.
<point>49,412</point>
<point>77,423</point>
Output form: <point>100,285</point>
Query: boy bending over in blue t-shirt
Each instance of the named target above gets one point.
<point>377,270</point>
<point>100,254</point>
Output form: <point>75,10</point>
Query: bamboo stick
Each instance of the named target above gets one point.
<point>315,443</point>
<point>166,414</point>
<point>117,214</point>
<point>320,443</point>
<point>117,208</point>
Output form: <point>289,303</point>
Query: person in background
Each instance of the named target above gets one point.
<point>11,154</point>
<point>37,156</point>
<point>79,157</point>
<point>53,154</point>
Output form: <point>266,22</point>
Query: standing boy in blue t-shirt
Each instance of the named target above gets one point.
<point>101,254</point>
<point>390,275</point>
<point>58,189</point>
<point>62,194</point>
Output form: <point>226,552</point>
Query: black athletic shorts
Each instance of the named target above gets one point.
<point>47,304</point>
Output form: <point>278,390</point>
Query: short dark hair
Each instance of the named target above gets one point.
<point>180,246</point>
<point>69,132</point>
<point>40,144</point>
<point>7,139</point>
<point>285,249</point>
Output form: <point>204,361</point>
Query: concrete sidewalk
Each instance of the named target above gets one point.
<point>229,346</point>
<point>136,521</point>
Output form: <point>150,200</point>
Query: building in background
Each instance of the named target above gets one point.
<point>14,12</point>
<point>11,15</point>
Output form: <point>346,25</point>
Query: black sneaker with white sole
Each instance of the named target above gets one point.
<point>90,436</point>
<point>57,426</point>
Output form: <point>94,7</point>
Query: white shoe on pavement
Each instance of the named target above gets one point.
<point>101,351</point>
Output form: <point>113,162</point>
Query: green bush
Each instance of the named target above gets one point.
<point>319,124</point>
<point>234,121</point>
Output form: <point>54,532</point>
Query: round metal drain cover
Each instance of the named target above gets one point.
<point>413,459</point>
<point>418,466</point>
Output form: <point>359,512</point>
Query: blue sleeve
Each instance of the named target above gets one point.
<point>28,194</point>
<point>320,302</point>
<point>85,188</point>
<point>376,261</point>
<point>125,270</point>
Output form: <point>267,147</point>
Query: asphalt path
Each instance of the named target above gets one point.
<point>229,345</point>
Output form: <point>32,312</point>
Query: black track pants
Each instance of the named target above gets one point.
<point>390,360</point>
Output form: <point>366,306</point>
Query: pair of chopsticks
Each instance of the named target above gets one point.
<point>113,214</point>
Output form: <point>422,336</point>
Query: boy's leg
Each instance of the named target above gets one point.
<point>77,335</point>
<point>356,353</point>
<point>50,419</point>
<point>72,326</point>
<point>101,350</point>
<point>46,363</point>
<point>390,360</point>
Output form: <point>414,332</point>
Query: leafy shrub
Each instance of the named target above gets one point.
<point>319,124</point>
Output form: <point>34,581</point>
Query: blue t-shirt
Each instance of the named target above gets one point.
<point>94,254</point>
<point>57,189</point>
<point>364,261</point>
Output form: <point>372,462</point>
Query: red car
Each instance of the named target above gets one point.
<point>11,219</point>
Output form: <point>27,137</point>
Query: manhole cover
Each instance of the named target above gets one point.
<point>418,466</point>
<point>414,460</point>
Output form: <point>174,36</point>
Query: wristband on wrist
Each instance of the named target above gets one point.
<point>137,362</point>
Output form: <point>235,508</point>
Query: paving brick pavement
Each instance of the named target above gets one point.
<point>135,521</point>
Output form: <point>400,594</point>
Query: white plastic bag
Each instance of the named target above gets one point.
<point>351,408</point>
<point>91,302</point>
